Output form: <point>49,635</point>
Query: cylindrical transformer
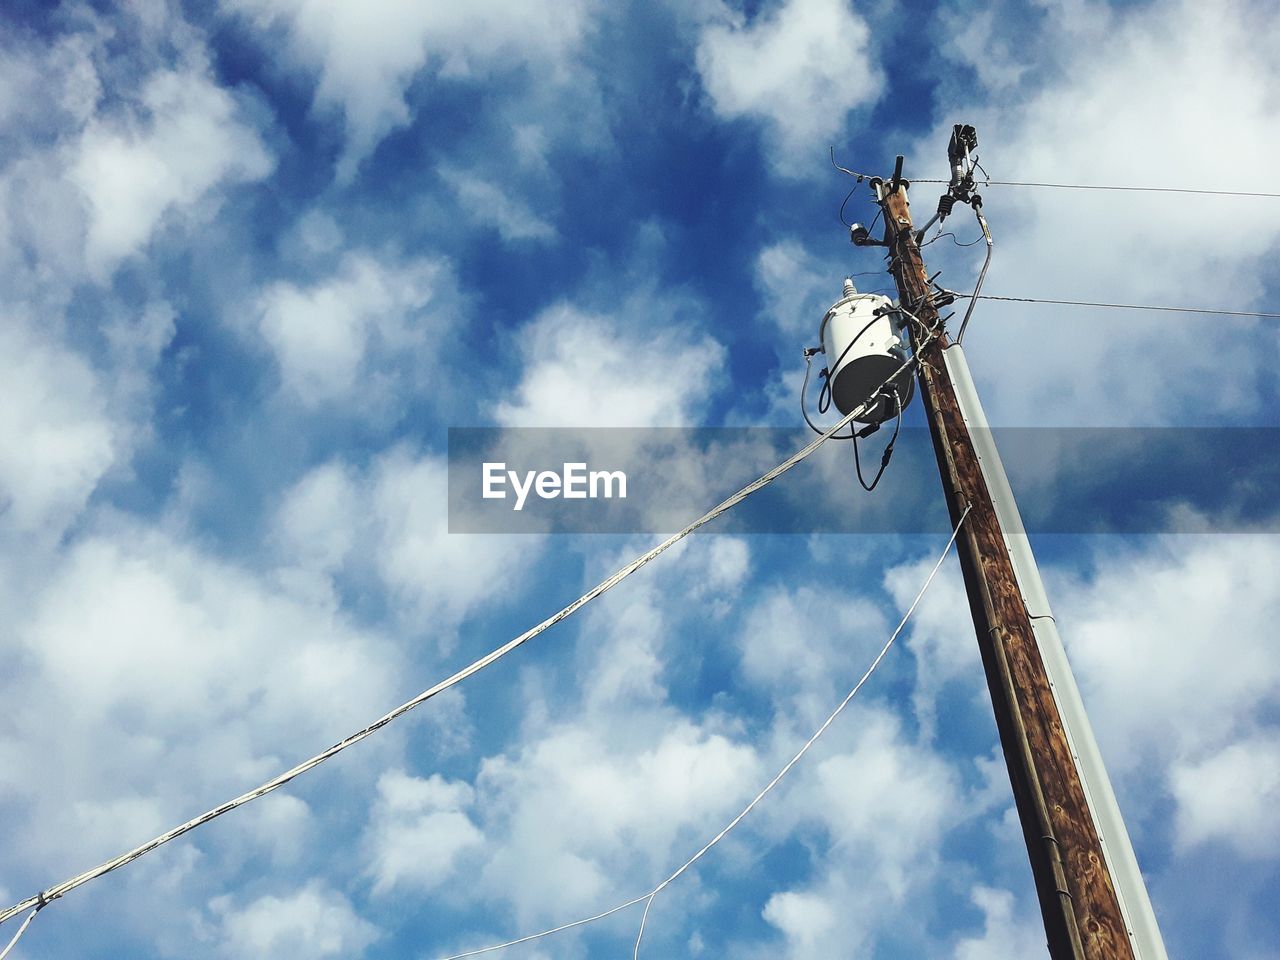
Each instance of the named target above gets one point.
<point>862,338</point>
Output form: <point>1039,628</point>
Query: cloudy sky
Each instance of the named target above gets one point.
<point>257,257</point>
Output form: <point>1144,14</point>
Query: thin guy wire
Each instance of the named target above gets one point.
<point>66,886</point>
<point>546,933</point>
<point>1128,306</point>
<point>1086,186</point>
<point>820,731</point>
<point>21,930</point>
<point>649,897</point>
<point>986,264</point>
<point>1091,186</point>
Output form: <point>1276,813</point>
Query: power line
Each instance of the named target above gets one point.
<point>44,897</point>
<point>650,895</point>
<point>1074,186</point>
<point>1093,186</point>
<point>939,236</point>
<point>1128,306</point>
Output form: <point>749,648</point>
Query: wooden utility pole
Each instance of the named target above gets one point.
<point>1082,915</point>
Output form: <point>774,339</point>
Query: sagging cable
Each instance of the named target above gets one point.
<point>649,897</point>
<point>824,375</point>
<point>977,290</point>
<point>21,930</point>
<point>888,450</point>
<point>44,897</point>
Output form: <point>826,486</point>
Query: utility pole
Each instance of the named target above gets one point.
<point>1091,894</point>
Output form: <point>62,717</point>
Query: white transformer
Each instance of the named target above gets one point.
<point>862,337</point>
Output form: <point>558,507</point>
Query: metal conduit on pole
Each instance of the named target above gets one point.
<point>1118,853</point>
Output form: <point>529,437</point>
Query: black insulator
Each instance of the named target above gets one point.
<point>945,204</point>
<point>963,137</point>
<point>897,174</point>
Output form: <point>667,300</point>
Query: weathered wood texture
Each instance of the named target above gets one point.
<point>1081,913</point>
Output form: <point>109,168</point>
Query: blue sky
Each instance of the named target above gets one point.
<point>257,257</point>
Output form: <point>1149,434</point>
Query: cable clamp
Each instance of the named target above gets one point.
<point>943,297</point>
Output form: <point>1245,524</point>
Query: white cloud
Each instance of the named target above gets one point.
<point>181,140</point>
<point>629,650</point>
<point>314,921</point>
<point>798,288</point>
<point>628,672</point>
<point>67,418</point>
<point>1004,933</point>
<point>616,798</point>
<point>319,232</point>
<point>940,640</point>
<point>56,438</point>
<point>108,150</point>
<point>1101,105</point>
<point>92,167</point>
<point>885,799</point>
<point>807,646</point>
<point>1232,796</point>
<point>357,332</point>
<point>281,825</point>
<point>491,205</point>
<point>972,37</point>
<point>576,815</point>
<point>153,656</point>
<point>881,803</point>
<point>728,565</point>
<point>807,920</point>
<point>586,369</point>
<point>603,795</point>
<point>600,810</point>
<point>314,523</point>
<point>419,831</point>
<point>368,54</point>
<point>439,575</point>
<point>97,823</point>
<point>389,524</point>
<point>799,68</point>
<point>1185,668</point>
<point>49,91</point>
